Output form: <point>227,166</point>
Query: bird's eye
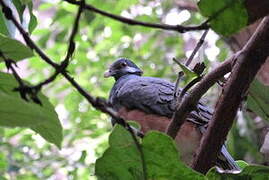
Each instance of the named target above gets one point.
<point>123,64</point>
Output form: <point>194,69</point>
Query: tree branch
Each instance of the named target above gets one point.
<point>235,89</point>
<point>256,9</point>
<point>71,48</point>
<point>178,28</point>
<point>197,47</point>
<point>190,100</point>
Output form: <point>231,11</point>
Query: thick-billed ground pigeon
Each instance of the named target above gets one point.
<point>150,102</point>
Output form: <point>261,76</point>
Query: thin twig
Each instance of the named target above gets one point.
<point>188,86</point>
<point>197,47</point>
<point>9,65</point>
<point>70,51</point>
<point>178,28</point>
<point>179,76</point>
<point>72,45</point>
<point>23,88</point>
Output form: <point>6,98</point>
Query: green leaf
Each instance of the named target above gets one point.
<point>162,158</point>
<point>4,28</point>
<point>258,99</point>
<point>14,49</point>
<point>134,124</point>
<point>25,1</point>
<point>20,8</point>
<point>16,112</point>
<point>242,164</point>
<point>249,172</point>
<point>122,160</point>
<point>187,71</point>
<point>228,16</point>
<point>33,23</point>
<point>33,20</point>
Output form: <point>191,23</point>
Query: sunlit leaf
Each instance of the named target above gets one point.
<point>242,164</point>
<point>187,71</point>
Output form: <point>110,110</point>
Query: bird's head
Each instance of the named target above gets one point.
<point>122,67</point>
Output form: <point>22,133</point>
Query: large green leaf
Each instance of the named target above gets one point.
<point>249,172</point>
<point>13,49</point>
<point>122,160</point>
<point>162,158</point>
<point>227,21</point>
<point>16,112</point>
<point>258,99</point>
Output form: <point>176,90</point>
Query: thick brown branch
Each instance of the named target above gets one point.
<point>190,100</point>
<point>129,21</point>
<point>244,71</point>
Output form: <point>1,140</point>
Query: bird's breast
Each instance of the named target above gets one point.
<point>187,139</point>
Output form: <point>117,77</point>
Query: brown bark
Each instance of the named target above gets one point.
<point>237,41</point>
<point>246,67</point>
<point>256,9</point>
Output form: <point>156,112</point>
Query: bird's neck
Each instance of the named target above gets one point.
<point>126,77</point>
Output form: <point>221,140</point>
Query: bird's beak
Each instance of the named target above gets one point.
<point>107,74</point>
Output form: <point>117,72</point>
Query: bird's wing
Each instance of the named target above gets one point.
<point>151,95</point>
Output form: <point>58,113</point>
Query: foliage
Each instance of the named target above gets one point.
<point>228,16</point>
<point>13,49</point>
<point>25,154</point>
<point>16,112</point>
<point>122,159</point>
<point>258,99</point>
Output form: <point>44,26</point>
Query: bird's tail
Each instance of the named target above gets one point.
<point>226,161</point>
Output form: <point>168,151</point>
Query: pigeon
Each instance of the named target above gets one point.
<point>150,102</point>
